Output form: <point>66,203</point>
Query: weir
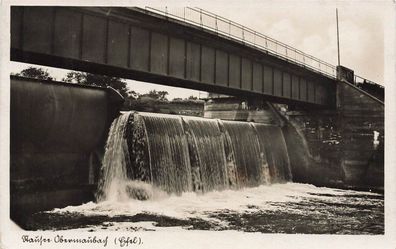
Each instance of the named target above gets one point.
<point>63,162</point>
<point>179,154</point>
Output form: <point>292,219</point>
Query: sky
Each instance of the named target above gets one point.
<point>309,26</point>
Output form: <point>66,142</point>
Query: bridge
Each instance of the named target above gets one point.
<point>196,50</point>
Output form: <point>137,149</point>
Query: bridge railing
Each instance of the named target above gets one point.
<point>360,80</point>
<point>226,27</point>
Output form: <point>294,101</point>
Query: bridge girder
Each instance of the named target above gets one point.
<point>135,44</point>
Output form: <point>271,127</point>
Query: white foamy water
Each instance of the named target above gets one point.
<point>277,198</point>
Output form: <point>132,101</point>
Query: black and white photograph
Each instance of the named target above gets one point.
<point>213,124</point>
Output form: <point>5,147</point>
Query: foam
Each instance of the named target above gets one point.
<point>194,205</point>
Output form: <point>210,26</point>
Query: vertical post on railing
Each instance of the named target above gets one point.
<point>266,42</point>
<point>229,28</point>
<point>254,38</point>
<point>200,17</point>
<point>184,14</point>
<point>338,38</point>
<point>243,34</point>
<point>216,24</point>
<point>166,11</point>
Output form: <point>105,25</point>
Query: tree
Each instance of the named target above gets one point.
<point>157,95</point>
<point>133,95</point>
<point>192,97</point>
<point>97,80</point>
<point>162,95</point>
<point>36,73</point>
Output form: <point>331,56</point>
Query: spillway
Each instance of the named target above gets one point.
<point>180,154</point>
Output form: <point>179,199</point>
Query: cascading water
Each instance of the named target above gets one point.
<point>273,146</point>
<point>179,154</point>
<point>248,157</point>
<point>114,166</point>
<point>168,149</point>
<point>205,142</point>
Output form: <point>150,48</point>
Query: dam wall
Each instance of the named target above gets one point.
<point>57,136</point>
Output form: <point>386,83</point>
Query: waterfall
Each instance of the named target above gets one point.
<point>179,154</point>
<point>273,145</point>
<point>248,158</point>
<point>116,159</point>
<point>168,149</point>
<point>207,155</point>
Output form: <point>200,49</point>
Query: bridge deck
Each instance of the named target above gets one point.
<point>138,44</point>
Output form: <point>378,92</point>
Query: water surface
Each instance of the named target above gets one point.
<point>277,208</point>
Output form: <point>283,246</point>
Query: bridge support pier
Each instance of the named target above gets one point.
<point>342,147</point>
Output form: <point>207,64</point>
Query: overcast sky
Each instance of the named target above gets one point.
<point>310,27</point>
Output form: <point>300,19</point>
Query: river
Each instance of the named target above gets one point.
<point>279,208</point>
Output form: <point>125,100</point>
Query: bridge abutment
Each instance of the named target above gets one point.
<point>342,147</point>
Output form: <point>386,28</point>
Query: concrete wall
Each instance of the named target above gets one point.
<point>240,110</point>
<point>342,147</point>
<point>58,132</point>
<point>362,127</point>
